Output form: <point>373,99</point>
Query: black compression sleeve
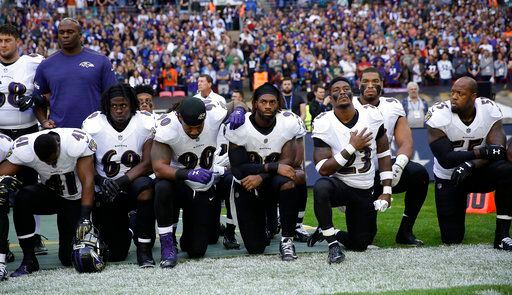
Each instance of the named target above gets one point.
<point>446,156</point>
<point>381,131</point>
<point>317,142</point>
<point>240,166</point>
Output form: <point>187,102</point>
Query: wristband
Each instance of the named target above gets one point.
<point>320,164</point>
<point>340,159</point>
<point>387,190</point>
<point>386,175</point>
<point>350,149</point>
<point>384,154</point>
<point>402,160</point>
<point>181,174</point>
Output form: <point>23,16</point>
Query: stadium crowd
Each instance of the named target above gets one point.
<point>169,48</point>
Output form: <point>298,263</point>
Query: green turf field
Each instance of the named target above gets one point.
<point>432,269</point>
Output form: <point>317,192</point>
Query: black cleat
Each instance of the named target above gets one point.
<point>26,267</point>
<point>145,255</point>
<point>335,254</point>
<point>301,235</point>
<point>315,237</point>
<point>287,250</point>
<point>3,272</point>
<point>39,246</point>
<point>408,239</point>
<point>505,244</point>
<point>230,242</point>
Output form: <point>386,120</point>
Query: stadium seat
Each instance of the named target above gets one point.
<point>165,94</point>
<point>178,93</point>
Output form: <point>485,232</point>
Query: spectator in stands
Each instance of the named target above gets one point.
<point>500,69</point>
<point>135,79</point>
<point>445,70</point>
<point>415,107</point>
<point>72,99</point>
<point>169,77</point>
<point>320,103</point>
<point>223,77</point>
<point>486,65</point>
<point>292,100</point>
<point>474,67</point>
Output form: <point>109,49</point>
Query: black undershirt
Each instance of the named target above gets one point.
<point>262,130</point>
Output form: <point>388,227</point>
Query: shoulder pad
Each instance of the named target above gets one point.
<point>24,152</point>
<point>321,124</point>
<point>491,108</point>
<point>146,119</point>
<point>93,123</point>
<point>438,115</point>
<point>166,128</point>
<point>393,105</point>
<point>76,142</point>
<point>239,135</point>
<point>294,125</point>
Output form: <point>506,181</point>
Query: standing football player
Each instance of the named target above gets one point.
<point>467,139</point>
<point>123,136</point>
<point>345,142</point>
<point>408,176</point>
<point>17,117</point>
<point>63,157</point>
<point>182,158</point>
<point>261,153</point>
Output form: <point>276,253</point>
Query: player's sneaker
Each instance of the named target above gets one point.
<point>287,250</point>
<point>169,256</point>
<point>335,254</point>
<point>315,237</point>
<point>301,234</point>
<point>39,246</point>
<point>145,255</point>
<point>408,239</point>
<point>230,242</point>
<point>504,244</point>
<point>3,272</point>
<point>26,267</point>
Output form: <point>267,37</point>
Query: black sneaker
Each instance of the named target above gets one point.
<point>315,237</point>
<point>287,250</point>
<point>3,272</point>
<point>408,239</point>
<point>145,255</point>
<point>230,242</point>
<point>505,244</point>
<point>301,235</point>
<point>39,246</point>
<point>26,267</point>
<point>335,254</point>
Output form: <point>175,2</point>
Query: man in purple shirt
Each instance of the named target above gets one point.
<point>74,78</point>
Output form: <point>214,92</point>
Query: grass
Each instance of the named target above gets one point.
<point>479,227</point>
<point>478,289</point>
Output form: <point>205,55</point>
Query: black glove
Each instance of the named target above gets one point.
<point>25,102</point>
<point>8,186</point>
<point>108,188</point>
<point>462,172</point>
<point>492,152</point>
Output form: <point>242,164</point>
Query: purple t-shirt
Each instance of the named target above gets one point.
<point>75,83</point>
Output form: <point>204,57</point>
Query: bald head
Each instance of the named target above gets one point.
<point>468,83</point>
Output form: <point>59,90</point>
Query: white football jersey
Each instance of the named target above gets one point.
<point>266,148</point>
<point>462,136</point>
<point>62,178</point>
<point>213,100</point>
<point>221,157</point>
<point>187,152</point>
<point>118,152</point>
<point>391,109</point>
<point>359,172</point>
<point>16,80</point>
<point>5,146</point>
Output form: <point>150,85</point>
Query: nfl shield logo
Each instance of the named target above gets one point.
<point>468,130</point>
<point>120,137</point>
<point>266,140</point>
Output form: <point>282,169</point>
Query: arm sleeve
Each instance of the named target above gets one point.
<point>240,166</point>
<point>446,156</point>
<point>317,142</point>
<point>381,131</point>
